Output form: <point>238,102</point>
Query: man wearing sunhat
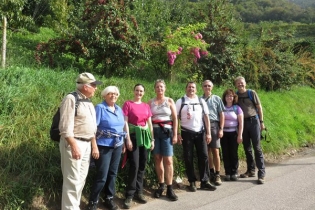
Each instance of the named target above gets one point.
<point>77,128</point>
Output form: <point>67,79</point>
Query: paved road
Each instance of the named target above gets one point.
<point>289,185</point>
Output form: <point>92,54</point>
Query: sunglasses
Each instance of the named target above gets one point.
<point>207,86</point>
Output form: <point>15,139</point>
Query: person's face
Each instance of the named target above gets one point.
<point>159,88</point>
<point>111,98</point>
<point>207,87</point>
<point>240,84</point>
<point>138,92</point>
<point>229,98</point>
<point>191,89</point>
<point>90,90</point>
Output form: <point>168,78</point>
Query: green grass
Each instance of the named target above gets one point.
<point>30,97</point>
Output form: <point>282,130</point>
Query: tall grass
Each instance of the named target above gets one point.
<point>30,160</point>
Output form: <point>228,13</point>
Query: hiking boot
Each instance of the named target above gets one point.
<point>227,178</point>
<point>261,180</point>
<point>234,177</point>
<point>127,203</point>
<point>248,174</point>
<point>192,187</point>
<point>217,180</point>
<point>140,198</point>
<point>92,206</point>
<point>170,194</point>
<point>207,186</point>
<point>158,192</point>
<point>110,204</point>
<point>212,177</point>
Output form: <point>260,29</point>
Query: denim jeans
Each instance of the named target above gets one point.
<point>251,136</point>
<point>107,167</point>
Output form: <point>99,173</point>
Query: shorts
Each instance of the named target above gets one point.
<point>215,140</point>
<point>163,142</point>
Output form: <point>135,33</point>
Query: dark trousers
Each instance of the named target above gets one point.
<point>137,161</point>
<point>107,167</point>
<point>229,148</point>
<point>189,141</point>
<point>251,137</point>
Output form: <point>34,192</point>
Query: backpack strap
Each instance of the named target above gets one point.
<point>77,101</point>
<point>235,109</point>
<point>181,107</point>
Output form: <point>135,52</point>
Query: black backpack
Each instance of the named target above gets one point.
<point>54,129</point>
<point>183,104</point>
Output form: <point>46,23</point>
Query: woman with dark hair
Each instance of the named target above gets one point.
<point>165,125</point>
<point>232,134</point>
<point>139,140</point>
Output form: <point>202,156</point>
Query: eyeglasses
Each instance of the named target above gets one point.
<point>91,85</point>
<point>207,86</point>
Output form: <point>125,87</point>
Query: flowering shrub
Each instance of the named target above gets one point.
<point>186,43</point>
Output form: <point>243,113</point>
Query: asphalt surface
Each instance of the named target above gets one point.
<point>289,185</point>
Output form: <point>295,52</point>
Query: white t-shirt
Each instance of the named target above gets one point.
<point>191,114</point>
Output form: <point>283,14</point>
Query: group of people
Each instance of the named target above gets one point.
<point>106,131</point>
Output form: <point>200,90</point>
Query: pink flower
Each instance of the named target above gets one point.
<point>196,37</point>
<point>180,48</point>
<point>199,35</point>
<point>204,52</point>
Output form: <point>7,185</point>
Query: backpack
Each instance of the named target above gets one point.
<point>54,128</point>
<point>183,104</point>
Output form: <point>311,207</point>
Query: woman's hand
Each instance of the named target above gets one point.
<point>95,153</point>
<point>152,145</point>
<point>179,139</point>
<point>129,144</point>
<point>239,139</point>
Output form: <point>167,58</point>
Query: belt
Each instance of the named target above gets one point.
<point>192,132</point>
<point>165,126</point>
<point>214,121</point>
<point>82,139</point>
<point>250,118</point>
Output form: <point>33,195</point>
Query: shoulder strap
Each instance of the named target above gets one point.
<point>201,104</point>
<point>235,109</point>
<point>181,107</point>
<point>77,101</point>
<point>250,94</point>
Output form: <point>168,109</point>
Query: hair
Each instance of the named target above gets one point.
<point>191,82</point>
<point>79,86</point>
<point>238,78</point>
<point>227,92</point>
<point>159,81</point>
<point>207,81</point>
<point>110,89</point>
<point>139,85</point>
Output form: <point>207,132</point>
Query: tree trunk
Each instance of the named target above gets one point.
<point>4,41</point>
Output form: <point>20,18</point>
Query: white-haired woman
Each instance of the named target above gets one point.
<point>107,149</point>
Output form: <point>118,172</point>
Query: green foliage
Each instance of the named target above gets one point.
<point>221,34</point>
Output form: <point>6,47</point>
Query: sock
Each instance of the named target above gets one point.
<point>217,173</point>
<point>212,170</point>
<point>169,187</point>
<point>162,185</point>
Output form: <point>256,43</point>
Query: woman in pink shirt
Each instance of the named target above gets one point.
<point>139,140</point>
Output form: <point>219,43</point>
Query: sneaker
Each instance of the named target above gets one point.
<point>207,186</point>
<point>234,177</point>
<point>261,180</point>
<point>192,187</point>
<point>158,192</point>
<point>92,206</point>
<point>110,204</point>
<point>171,195</point>
<point>227,178</point>
<point>248,174</point>
<point>140,197</point>
<point>217,180</point>
<point>127,203</point>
